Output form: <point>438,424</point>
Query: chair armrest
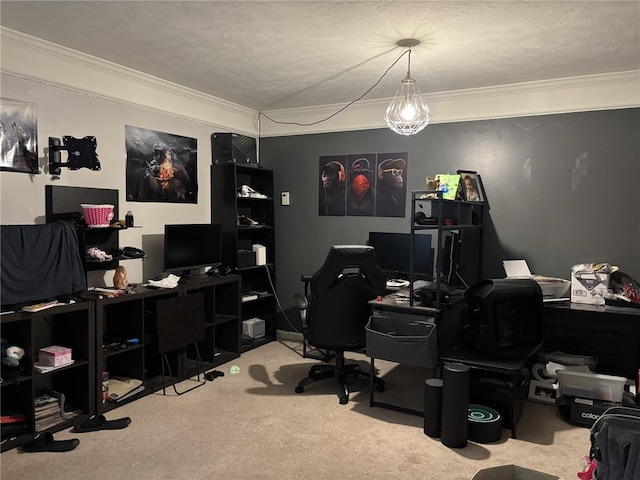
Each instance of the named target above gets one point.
<point>301,301</point>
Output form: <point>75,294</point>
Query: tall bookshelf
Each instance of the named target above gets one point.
<point>236,212</point>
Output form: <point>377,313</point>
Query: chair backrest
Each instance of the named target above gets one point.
<point>339,294</point>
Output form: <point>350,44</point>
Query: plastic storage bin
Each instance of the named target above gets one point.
<point>591,385</point>
<point>404,339</point>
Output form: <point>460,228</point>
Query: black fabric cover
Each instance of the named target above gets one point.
<point>340,292</point>
<point>39,262</point>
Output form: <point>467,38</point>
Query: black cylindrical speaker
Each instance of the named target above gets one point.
<point>455,404</point>
<point>432,406</point>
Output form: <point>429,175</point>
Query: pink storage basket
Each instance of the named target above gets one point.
<point>97,215</point>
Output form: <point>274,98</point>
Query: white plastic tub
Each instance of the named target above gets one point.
<point>591,385</point>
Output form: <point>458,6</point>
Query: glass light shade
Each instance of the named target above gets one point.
<point>408,113</point>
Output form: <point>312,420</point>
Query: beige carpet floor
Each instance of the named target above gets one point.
<point>251,425</point>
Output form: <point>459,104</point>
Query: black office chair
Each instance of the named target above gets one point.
<point>338,311</point>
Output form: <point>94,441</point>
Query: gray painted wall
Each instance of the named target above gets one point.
<point>562,190</point>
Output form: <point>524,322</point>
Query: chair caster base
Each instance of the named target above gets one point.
<point>299,389</point>
<point>344,400</point>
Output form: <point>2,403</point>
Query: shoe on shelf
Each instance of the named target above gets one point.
<point>244,220</point>
<point>44,442</point>
<point>99,422</point>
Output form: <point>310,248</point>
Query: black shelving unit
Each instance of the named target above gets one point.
<point>236,211</point>
<point>71,326</point>
<point>463,219</point>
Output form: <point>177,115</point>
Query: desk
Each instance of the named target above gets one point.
<point>447,321</point>
<point>510,367</point>
<point>610,333</point>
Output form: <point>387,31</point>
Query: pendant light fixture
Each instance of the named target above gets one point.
<point>408,113</point>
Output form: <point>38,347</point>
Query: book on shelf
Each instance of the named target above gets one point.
<point>51,409</point>
<point>120,386</point>
<point>130,394</point>
<point>40,368</point>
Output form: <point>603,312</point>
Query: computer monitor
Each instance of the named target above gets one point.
<point>192,246</point>
<point>393,251</point>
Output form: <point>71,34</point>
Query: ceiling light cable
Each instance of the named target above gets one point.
<point>341,109</point>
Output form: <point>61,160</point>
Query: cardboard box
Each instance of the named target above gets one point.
<point>246,258</point>
<point>512,472</point>
<point>585,411</point>
<point>589,282</point>
<point>261,254</point>
<point>54,356</point>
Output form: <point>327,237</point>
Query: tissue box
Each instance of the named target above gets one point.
<point>589,282</point>
<point>54,356</point>
<point>261,254</point>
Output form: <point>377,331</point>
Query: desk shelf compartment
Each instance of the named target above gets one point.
<point>222,323</point>
<point>458,233</point>
<point>71,326</point>
<point>120,319</point>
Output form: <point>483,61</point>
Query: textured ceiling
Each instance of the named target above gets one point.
<point>270,55</point>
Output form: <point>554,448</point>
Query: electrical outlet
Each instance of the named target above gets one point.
<point>284,198</point>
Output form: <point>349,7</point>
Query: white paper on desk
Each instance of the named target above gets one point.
<point>516,269</point>
<point>170,281</point>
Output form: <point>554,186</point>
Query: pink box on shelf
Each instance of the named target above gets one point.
<point>54,356</point>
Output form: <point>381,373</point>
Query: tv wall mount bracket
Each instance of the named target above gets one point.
<point>82,154</point>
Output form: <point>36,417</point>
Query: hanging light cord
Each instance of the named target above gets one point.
<point>343,108</point>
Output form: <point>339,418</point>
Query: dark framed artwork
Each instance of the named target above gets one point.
<point>161,167</point>
<point>331,190</point>
<point>391,184</point>
<point>472,188</point>
<point>18,136</point>
<point>361,193</point>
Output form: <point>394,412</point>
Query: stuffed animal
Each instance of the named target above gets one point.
<point>432,187</point>
<point>11,354</point>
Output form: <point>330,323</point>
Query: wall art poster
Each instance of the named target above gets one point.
<point>332,192</point>
<point>391,184</point>
<point>18,136</point>
<point>365,184</point>
<point>161,167</point>
<point>361,191</point>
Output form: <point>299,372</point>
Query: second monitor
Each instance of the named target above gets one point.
<point>393,251</point>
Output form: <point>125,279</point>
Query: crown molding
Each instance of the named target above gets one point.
<point>35,59</point>
<point>563,95</point>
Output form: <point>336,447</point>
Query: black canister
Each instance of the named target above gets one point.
<point>432,406</point>
<point>455,405</point>
<point>128,219</point>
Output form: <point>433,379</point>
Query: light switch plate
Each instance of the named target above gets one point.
<point>284,198</point>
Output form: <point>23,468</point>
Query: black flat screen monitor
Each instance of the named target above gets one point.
<point>192,246</point>
<point>393,251</point>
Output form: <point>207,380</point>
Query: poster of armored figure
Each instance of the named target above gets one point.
<point>18,136</point>
<point>161,167</point>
